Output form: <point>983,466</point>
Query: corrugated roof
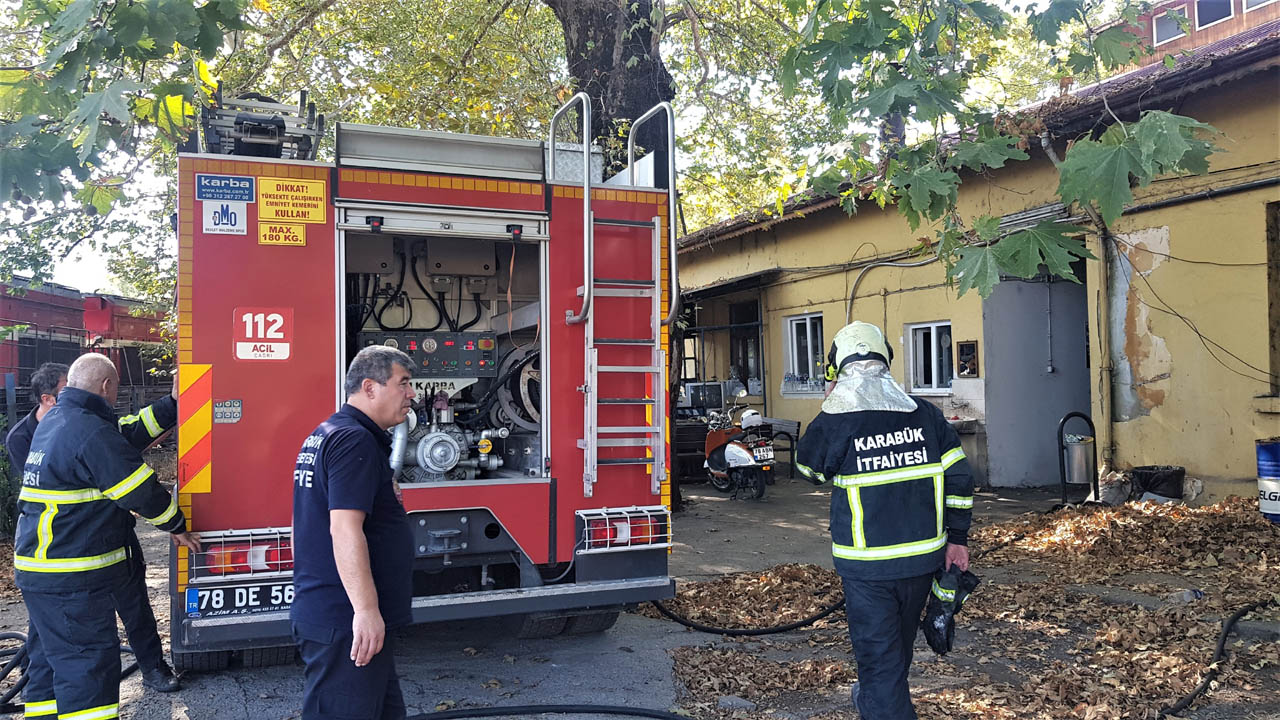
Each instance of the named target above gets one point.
<point>1139,88</point>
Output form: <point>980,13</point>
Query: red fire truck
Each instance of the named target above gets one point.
<point>531,294</point>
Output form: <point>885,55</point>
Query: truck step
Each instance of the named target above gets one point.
<point>625,461</point>
<point>611,281</point>
<point>620,292</point>
<point>625,401</point>
<point>616,222</point>
<point>628,369</point>
<point>622,442</point>
<point>623,341</point>
<point>628,429</point>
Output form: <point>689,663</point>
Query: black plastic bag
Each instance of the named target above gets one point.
<point>950,589</point>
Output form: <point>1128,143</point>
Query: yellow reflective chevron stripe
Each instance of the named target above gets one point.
<point>960,502</point>
<point>942,593</point>
<point>44,708</point>
<point>67,565</point>
<point>129,484</point>
<point>810,472</point>
<point>167,515</point>
<point>44,530</point>
<point>889,552</point>
<point>951,457</point>
<point>31,494</point>
<point>104,712</point>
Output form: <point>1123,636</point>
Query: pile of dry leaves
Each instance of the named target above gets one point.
<point>779,595</point>
<point>1037,648</point>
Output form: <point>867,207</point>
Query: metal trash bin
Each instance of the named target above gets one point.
<point>1078,454</point>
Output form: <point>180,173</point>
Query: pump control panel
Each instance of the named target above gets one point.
<point>442,354</point>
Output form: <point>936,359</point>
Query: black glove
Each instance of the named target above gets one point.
<point>950,589</point>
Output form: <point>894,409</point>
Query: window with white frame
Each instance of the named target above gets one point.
<point>932,366</point>
<point>1165,28</point>
<point>1255,4</point>
<point>804,353</point>
<point>1212,12</point>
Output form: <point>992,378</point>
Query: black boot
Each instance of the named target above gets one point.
<point>161,679</point>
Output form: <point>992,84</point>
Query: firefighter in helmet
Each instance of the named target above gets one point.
<point>902,511</point>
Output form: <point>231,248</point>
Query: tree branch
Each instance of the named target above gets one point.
<point>466,56</point>
<point>305,21</point>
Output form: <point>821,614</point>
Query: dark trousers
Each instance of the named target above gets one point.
<point>133,604</point>
<point>883,618</point>
<point>335,689</point>
<point>74,655</point>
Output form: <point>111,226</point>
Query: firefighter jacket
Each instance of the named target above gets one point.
<point>140,430</point>
<point>81,471</point>
<point>902,489</point>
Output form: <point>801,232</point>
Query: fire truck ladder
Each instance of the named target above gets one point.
<point>651,437</point>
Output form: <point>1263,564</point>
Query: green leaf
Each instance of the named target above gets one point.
<point>101,194</point>
<point>1099,174</point>
<point>880,101</point>
<point>1114,47</point>
<point>87,116</point>
<point>1052,244</point>
<point>976,268</point>
<point>1168,143</point>
<point>925,191</point>
<point>1046,25</point>
<point>129,24</point>
<point>74,18</point>
<point>987,227</point>
<point>990,14</point>
<point>990,153</point>
<point>1169,61</point>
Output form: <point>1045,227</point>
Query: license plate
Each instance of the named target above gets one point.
<point>238,599</point>
<point>763,453</point>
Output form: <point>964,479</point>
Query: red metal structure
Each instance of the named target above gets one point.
<point>533,301</point>
<point>58,323</point>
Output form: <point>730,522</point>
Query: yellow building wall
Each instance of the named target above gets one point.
<point>1191,410</point>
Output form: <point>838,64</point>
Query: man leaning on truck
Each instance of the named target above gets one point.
<point>131,599</point>
<point>72,549</point>
<point>353,549</point>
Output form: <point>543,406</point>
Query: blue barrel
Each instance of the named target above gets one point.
<point>1269,478</point>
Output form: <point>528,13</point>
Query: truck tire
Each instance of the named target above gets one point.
<point>266,657</point>
<point>201,661</point>
<point>591,623</point>
<point>532,626</point>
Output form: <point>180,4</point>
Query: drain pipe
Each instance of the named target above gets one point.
<point>1104,432</point>
<point>399,441</point>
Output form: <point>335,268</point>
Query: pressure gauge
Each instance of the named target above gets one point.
<point>391,343</point>
<point>429,345</point>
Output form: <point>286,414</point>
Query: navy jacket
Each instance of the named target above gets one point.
<point>81,471</point>
<point>902,491</point>
<point>140,430</point>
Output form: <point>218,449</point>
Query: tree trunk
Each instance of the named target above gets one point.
<point>612,49</point>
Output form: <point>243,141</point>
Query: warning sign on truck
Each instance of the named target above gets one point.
<point>282,234</point>
<point>291,199</point>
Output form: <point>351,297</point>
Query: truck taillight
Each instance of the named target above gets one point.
<point>236,558</point>
<point>624,529</point>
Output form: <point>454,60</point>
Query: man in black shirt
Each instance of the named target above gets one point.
<point>353,549</point>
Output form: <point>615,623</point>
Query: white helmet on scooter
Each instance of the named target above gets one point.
<point>752,418</point>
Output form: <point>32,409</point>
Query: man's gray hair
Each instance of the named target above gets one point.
<point>375,362</point>
<point>89,371</point>
<point>44,381</point>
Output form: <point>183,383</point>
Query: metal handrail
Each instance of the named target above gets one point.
<point>588,230</point>
<point>674,307</point>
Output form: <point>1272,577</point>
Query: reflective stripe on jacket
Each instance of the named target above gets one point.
<point>80,474</point>
<point>901,489</point>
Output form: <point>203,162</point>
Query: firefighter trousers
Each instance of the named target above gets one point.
<point>74,655</point>
<point>133,604</point>
<point>335,689</point>
<point>884,616</point>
